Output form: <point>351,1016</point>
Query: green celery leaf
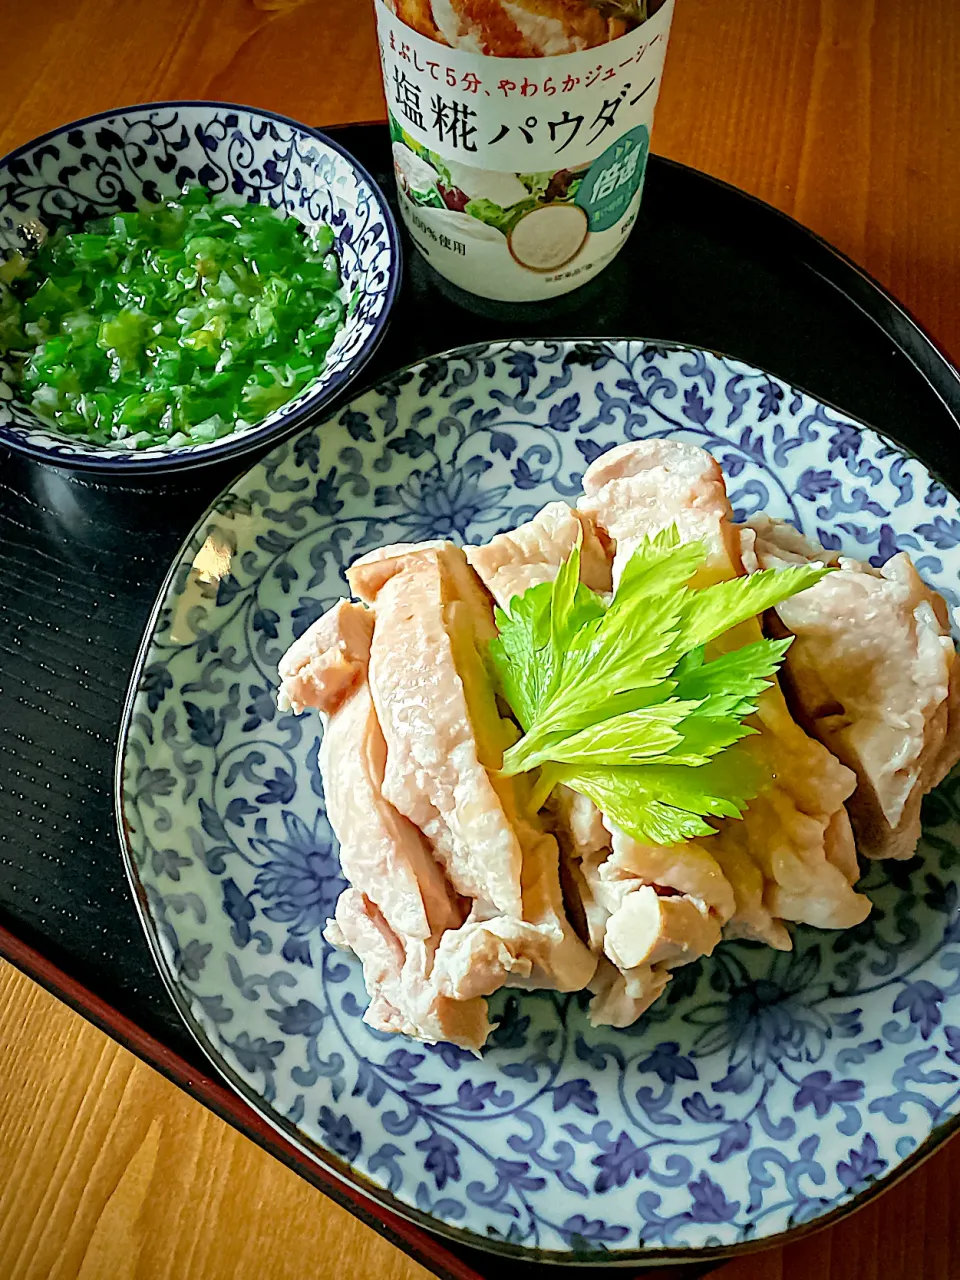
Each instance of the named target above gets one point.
<point>714,610</point>
<point>622,651</point>
<point>562,598</point>
<point>529,651</point>
<point>521,653</point>
<point>621,703</point>
<point>750,667</point>
<point>665,804</point>
<point>632,803</point>
<point>659,564</point>
<point>705,736</point>
<point>625,739</point>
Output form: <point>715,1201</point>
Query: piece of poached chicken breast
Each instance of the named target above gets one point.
<point>399,903</point>
<point>403,997</point>
<point>438,713</point>
<point>445,741</point>
<point>381,851</point>
<point>512,562</point>
<point>873,673</point>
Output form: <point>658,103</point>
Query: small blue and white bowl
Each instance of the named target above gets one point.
<point>134,156</point>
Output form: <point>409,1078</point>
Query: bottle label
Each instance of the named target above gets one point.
<point>520,178</point>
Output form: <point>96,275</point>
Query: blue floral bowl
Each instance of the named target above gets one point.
<point>133,156</point>
<point>766,1092</point>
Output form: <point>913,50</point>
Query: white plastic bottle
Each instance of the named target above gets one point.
<point>520,177</point>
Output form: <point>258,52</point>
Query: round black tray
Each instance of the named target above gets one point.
<point>81,561</point>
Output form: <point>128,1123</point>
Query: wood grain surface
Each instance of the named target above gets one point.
<point>844,113</point>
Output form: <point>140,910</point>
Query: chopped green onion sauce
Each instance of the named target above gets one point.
<point>175,325</point>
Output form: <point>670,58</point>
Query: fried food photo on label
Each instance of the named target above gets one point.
<point>522,28</point>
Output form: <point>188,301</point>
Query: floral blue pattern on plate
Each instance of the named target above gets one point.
<point>133,156</point>
<point>765,1090</point>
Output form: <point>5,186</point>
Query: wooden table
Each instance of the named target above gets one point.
<point>844,113</point>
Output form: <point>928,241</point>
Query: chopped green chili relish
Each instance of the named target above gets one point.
<point>175,325</point>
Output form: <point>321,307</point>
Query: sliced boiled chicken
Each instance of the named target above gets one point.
<point>457,887</point>
<point>621,996</point>
<point>599,886</point>
<point>438,713</point>
<point>584,821</point>
<point>587,913</point>
<point>512,562</point>
<point>403,997</point>
<point>950,751</point>
<point>584,845</point>
<point>651,929</point>
<point>751,919</point>
<point>381,851</point>
<point>635,491</point>
<point>873,674</point>
<point>540,949</point>
<point>445,741</point>
<point>426,974</point>
<point>399,902</point>
<point>609,885</point>
<point>328,661</point>
<point>689,868</point>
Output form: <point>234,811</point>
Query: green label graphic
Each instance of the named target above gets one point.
<point>614,179</point>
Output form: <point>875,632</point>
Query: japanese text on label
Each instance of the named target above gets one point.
<point>521,114</point>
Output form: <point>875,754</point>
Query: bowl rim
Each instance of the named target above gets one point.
<point>108,460</point>
<point>343,1170</point>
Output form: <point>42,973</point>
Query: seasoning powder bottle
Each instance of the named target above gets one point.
<point>520,133</point>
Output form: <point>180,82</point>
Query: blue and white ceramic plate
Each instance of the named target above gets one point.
<point>766,1090</point>
<point>133,156</point>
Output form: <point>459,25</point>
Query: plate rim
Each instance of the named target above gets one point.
<point>329,1160</point>
<point>875,288</point>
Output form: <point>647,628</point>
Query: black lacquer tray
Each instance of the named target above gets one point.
<point>81,561</point>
